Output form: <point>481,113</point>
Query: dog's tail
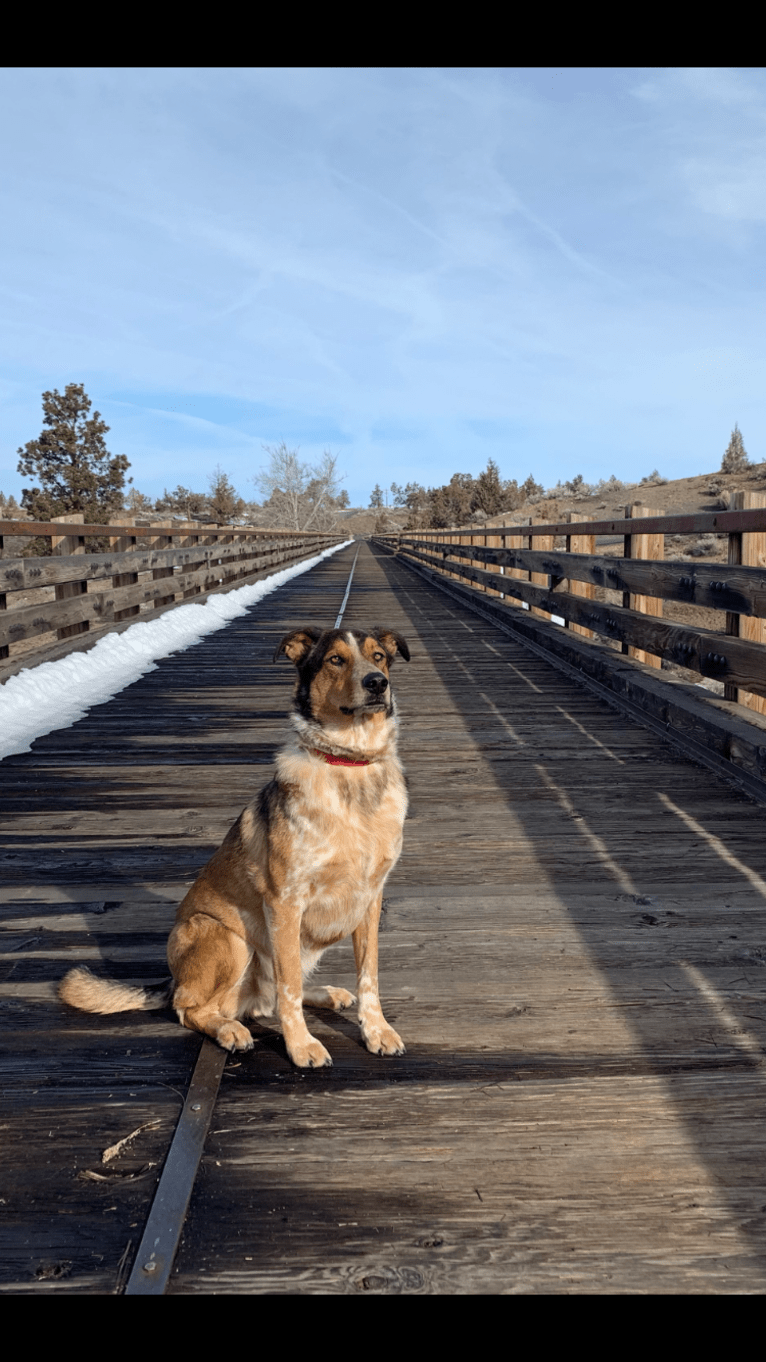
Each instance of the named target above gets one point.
<point>82,989</point>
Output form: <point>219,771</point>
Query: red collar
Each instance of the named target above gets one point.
<point>339,761</point>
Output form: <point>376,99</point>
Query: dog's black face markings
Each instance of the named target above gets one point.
<point>308,669</point>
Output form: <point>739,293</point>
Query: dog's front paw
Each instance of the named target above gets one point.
<point>309,1055</point>
<point>232,1035</point>
<point>383,1040</point>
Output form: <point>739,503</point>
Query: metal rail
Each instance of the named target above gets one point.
<point>162,1233</point>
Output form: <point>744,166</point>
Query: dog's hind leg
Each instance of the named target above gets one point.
<point>210,965</point>
<point>319,995</point>
<point>379,1037</point>
<point>336,998</point>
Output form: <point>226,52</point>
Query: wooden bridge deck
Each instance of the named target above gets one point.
<point>573,950</point>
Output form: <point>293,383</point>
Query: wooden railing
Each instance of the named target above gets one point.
<point>45,601</point>
<point>521,564</point>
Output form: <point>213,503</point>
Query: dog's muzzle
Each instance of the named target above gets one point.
<point>376,683</point>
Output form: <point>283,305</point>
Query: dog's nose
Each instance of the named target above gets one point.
<point>375,682</point>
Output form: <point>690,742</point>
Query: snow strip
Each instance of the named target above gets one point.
<point>55,695</point>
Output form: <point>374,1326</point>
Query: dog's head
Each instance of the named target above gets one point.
<point>342,673</point>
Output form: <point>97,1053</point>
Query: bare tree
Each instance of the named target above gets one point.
<point>299,495</point>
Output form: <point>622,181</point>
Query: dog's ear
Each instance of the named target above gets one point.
<point>393,643</point>
<point>298,644</point>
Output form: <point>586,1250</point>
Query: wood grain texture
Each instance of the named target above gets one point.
<point>748,549</point>
<point>692,583</point>
<point>584,544</point>
<point>691,522</point>
<point>723,658</point>
<point>74,610</point>
<point>647,548</point>
<point>573,947</point>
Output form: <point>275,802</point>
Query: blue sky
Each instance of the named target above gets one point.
<point>562,270</point>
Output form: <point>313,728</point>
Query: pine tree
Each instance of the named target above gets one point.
<point>735,459</point>
<point>137,503</point>
<point>225,504</point>
<point>376,498</point>
<point>530,488</point>
<point>181,501</point>
<point>488,492</point>
<point>72,462</point>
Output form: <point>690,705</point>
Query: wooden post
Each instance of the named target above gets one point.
<point>162,541</point>
<point>458,538</point>
<point>466,539</point>
<point>191,540</point>
<point>514,541</point>
<point>540,543</point>
<point>493,541</point>
<point>580,543</point>
<point>446,539</point>
<point>61,545</point>
<point>650,547</point>
<point>124,543</point>
<point>750,550</point>
<point>476,539</point>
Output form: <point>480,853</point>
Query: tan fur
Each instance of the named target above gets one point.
<point>303,867</point>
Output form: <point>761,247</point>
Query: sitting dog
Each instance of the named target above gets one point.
<point>303,866</point>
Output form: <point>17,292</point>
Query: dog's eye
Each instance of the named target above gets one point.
<point>336,660</point>
<point>378,657</point>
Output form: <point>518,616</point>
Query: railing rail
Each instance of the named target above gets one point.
<point>520,563</point>
<point>46,600</point>
<point>691,522</point>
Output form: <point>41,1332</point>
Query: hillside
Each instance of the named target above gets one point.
<point>704,492</point>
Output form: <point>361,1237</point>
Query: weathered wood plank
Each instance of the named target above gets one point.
<point>18,574</point>
<point>572,946</point>
<point>103,606</point>
<point>108,610</point>
<point>715,655</point>
<point>694,522</point>
<point>713,585</point>
<point>545,545</point>
<point>749,549</point>
<point>648,548</point>
<point>586,544</point>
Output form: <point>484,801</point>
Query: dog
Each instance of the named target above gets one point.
<point>303,866</point>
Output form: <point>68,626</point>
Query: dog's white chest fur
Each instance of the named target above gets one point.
<point>346,825</point>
